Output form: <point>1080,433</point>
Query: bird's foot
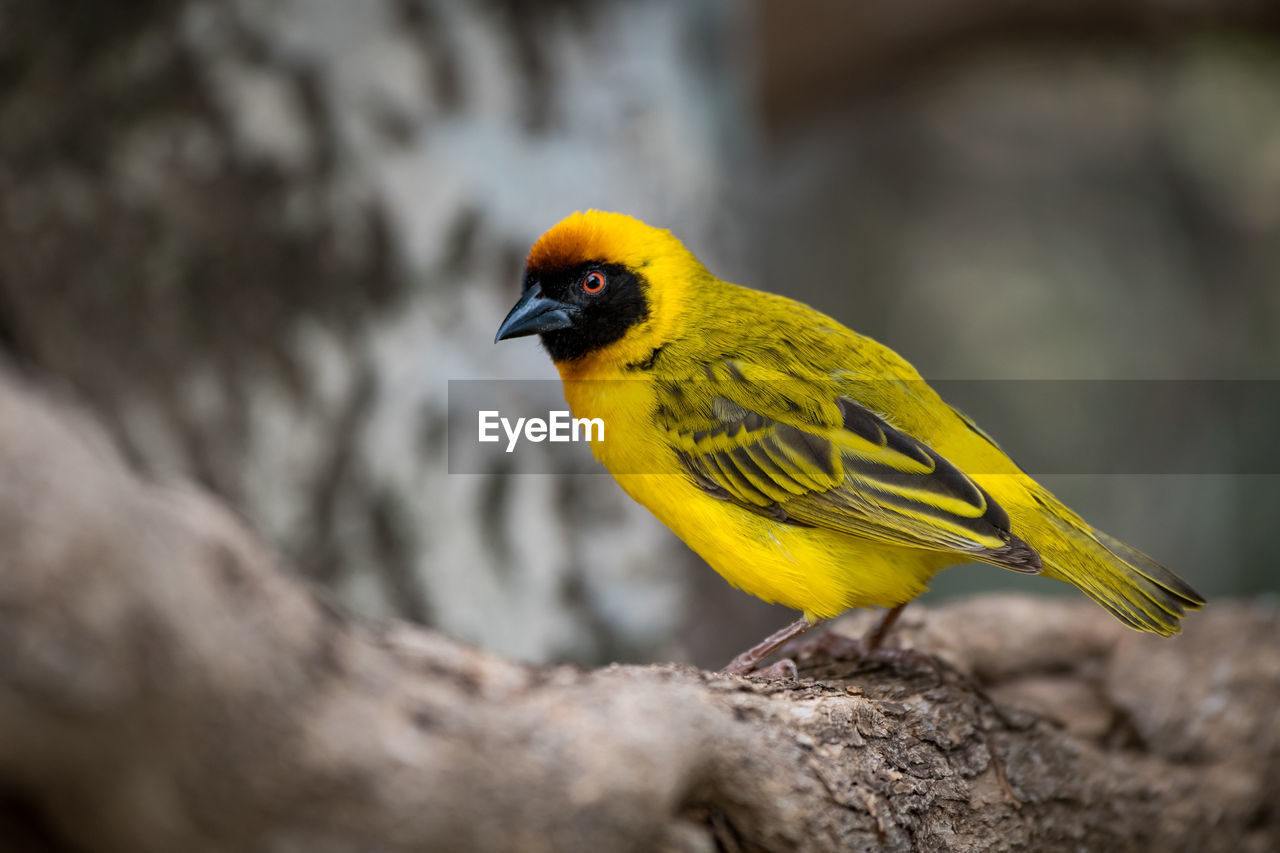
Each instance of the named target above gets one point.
<point>838,647</point>
<point>785,668</point>
<point>746,663</point>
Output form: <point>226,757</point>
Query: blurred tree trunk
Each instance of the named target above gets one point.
<point>166,687</point>
<point>259,238</point>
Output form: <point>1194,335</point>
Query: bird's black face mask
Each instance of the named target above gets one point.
<point>577,310</point>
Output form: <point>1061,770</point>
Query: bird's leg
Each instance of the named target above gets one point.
<point>840,647</point>
<point>747,661</point>
<point>873,638</point>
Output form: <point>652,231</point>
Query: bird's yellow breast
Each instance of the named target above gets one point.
<point>820,572</point>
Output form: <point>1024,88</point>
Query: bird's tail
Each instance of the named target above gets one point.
<point>1136,589</point>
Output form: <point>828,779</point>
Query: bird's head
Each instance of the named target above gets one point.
<point>602,282</point>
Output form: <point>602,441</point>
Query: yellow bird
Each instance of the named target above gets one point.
<point>807,464</point>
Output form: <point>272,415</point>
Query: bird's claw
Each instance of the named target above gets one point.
<point>838,647</point>
<point>785,668</point>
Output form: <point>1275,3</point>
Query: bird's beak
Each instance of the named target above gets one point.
<point>535,313</point>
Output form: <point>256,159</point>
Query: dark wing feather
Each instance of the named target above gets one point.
<point>860,476</point>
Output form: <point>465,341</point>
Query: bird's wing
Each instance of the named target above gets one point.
<point>804,453</point>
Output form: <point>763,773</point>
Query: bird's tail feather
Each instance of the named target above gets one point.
<point>1135,588</point>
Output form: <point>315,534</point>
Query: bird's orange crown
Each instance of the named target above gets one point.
<point>598,235</point>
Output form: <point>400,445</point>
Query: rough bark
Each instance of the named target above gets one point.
<point>165,686</point>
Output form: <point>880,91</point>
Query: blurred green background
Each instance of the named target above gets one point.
<point>259,238</point>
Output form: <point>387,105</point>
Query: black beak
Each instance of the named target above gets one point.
<point>535,313</point>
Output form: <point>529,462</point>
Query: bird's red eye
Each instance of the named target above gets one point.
<point>593,282</point>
